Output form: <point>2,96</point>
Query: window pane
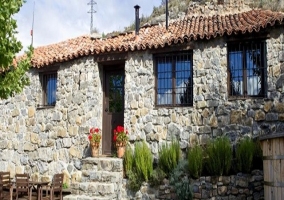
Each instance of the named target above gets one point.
<point>247,68</point>
<point>183,81</point>
<point>164,83</point>
<point>254,72</point>
<point>236,72</point>
<point>174,79</point>
<point>116,92</point>
<point>51,89</point>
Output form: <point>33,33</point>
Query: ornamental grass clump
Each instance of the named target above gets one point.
<point>128,160</point>
<point>169,156</point>
<point>219,156</point>
<point>195,161</point>
<point>143,161</point>
<point>244,155</point>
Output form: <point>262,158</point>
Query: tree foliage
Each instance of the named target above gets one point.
<point>13,70</point>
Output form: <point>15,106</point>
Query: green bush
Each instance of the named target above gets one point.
<point>134,182</point>
<point>244,155</point>
<point>219,156</point>
<point>180,181</point>
<point>195,161</point>
<point>143,161</point>
<point>169,156</point>
<point>157,177</point>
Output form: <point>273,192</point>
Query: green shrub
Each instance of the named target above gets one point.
<point>169,156</point>
<point>195,161</point>
<point>180,181</point>
<point>157,177</point>
<point>134,182</point>
<point>143,161</point>
<point>244,155</point>
<point>219,156</point>
<point>128,159</point>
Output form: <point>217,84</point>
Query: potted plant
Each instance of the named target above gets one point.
<point>95,140</point>
<point>120,138</point>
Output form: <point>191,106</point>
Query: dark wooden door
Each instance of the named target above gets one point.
<point>113,107</point>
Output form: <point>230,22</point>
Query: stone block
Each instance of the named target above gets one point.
<point>259,115</point>
<point>236,116</point>
<point>279,107</point>
<point>111,165</point>
<point>271,117</point>
<point>222,190</point>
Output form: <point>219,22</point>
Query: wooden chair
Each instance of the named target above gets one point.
<point>23,188</point>
<point>54,191</point>
<point>6,187</point>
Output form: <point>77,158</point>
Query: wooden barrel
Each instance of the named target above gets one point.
<point>273,165</point>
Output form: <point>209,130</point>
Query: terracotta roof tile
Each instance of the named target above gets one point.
<point>190,28</point>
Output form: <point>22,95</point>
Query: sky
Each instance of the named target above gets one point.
<point>59,20</point>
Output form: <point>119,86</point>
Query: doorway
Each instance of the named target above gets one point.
<point>113,106</point>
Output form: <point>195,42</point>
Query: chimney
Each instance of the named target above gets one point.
<point>167,14</point>
<point>137,20</point>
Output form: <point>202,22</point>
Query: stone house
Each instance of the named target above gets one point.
<point>203,76</point>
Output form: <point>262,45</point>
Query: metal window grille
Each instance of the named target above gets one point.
<point>49,87</point>
<point>247,69</point>
<point>174,80</point>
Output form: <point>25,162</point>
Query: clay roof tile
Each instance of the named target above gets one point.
<point>156,36</point>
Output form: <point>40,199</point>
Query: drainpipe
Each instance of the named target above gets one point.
<point>167,14</point>
<point>137,20</point>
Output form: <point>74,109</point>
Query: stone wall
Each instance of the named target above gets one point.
<point>213,113</point>
<point>45,141</point>
<point>240,186</point>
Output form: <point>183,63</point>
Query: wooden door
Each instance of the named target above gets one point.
<point>113,107</point>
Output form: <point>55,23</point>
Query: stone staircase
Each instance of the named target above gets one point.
<point>102,179</point>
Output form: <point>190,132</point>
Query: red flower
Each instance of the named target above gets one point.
<point>120,129</point>
<point>95,135</point>
<point>114,138</point>
<point>92,130</point>
<point>120,135</point>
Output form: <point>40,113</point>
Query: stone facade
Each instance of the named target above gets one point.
<point>42,141</point>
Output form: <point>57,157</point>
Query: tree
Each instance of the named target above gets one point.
<point>13,69</point>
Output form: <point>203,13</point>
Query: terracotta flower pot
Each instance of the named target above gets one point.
<point>95,149</point>
<point>120,151</point>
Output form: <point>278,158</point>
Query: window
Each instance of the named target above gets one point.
<point>49,86</point>
<point>247,69</point>
<point>174,83</point>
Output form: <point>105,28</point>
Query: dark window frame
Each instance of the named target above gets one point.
<point>245,46</point>
<point>44,75</point>
<point>188,88</point>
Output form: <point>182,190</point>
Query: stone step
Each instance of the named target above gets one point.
<point>95,188</point>
<point>101,176</point>
<point>102,164</point>
<point>86,197</point>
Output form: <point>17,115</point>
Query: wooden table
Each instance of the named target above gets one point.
<point>38,186</point>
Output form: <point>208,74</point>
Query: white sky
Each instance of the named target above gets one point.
<point>58,20</point>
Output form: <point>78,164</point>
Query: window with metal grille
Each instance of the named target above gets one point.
<point>247,69</point>
<point>174,84</point>
<point>49,87</point>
